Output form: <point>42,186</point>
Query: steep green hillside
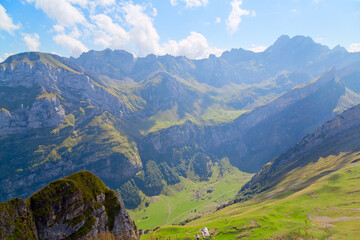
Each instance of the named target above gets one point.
<point>333,137</point>
<point>322,207</point>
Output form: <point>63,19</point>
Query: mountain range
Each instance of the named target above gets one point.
<point>142,123</point>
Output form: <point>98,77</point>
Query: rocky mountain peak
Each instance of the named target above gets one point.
<point>339,48</point>
<point>40,60</point>
<point>300,42</point>
<point>238,55</point>
<point>112,63</point>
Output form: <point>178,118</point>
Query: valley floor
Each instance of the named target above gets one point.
<point>189,199</point>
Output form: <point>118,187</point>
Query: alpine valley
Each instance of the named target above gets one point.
<point>250,145</point>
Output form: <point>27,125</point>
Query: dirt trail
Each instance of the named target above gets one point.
<point>326,221</point>
<point>169,209</point>
<point>200,205</point>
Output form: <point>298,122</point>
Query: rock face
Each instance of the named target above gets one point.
<point>16,220</point>
<point>46,112</point>
<point>39,89</point>
<point>45,101</point>
<point>76,207</point>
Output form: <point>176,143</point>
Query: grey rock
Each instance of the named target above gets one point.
<point>46,112</point>
<point>16,221</point>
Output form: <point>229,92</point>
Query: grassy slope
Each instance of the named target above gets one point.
<point>299,206</point>
<point>189,199</point>
<point>214,114</point>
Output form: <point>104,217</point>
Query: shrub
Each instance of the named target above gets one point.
<point>153,179</point>
<point>130,194</point>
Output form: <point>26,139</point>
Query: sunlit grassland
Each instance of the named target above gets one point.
<point>189,199</point>
<point>326,208</point>
<point>214,114</point>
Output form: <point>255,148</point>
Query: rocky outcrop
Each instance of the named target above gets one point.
<point>76,207</point>
<point>16,220</point>
<point>45,112</point>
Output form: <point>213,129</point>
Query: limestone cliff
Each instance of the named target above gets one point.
<point>55,119</point>
<point>39,89</point>
<point>76,207</point>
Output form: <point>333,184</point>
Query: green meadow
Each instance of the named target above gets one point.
<point>299,207</point>
<point>189,199</point>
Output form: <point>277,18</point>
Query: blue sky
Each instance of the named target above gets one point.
<point>194,28</point>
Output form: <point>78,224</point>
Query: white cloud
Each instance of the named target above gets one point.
<point>63,11</point>
<point>234,18</point>
<point>190,3</point>
<point>74,46</point>
<point>143,35</point>
<point>317,1</point>
<point>32,41</point>
<point>195,46</point>
<point>154,12</point>
<point>59,28</point>
<point>354,47</point>
<point>82,3</point>
<point>5,56</point>
<point>105,2</point>
<point>6,23</point>
<point>218,20</point>
<point>253,13</point>
<point>75,33</point>
<point>128,26</point>
<point>109,34</point>
<point>258,48</point>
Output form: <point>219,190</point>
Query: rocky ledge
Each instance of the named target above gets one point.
<point>79,206</point>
